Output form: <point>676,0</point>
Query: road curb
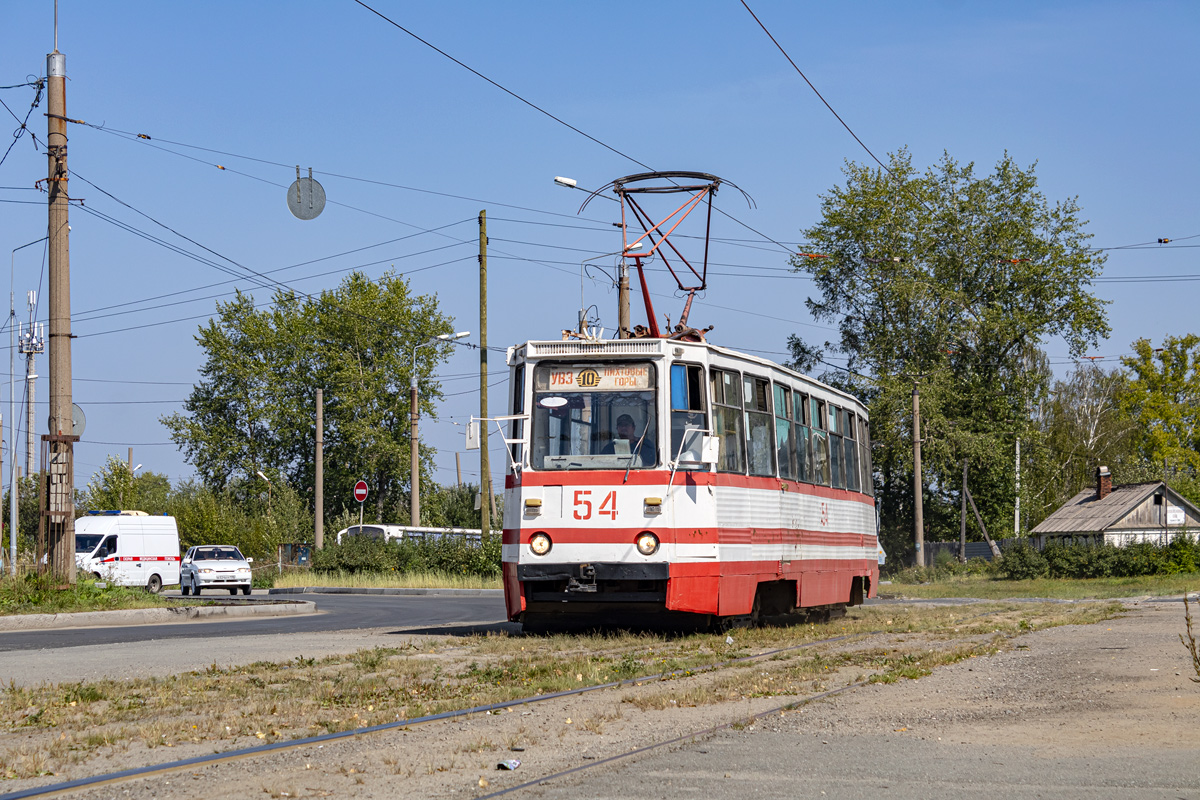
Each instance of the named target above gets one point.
<point>350,590</point>
<point>153,616</point>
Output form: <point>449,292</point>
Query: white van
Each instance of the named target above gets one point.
<point>128,548</point>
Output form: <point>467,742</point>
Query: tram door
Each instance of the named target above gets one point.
<point>789,502</point>
<point>690,505</point>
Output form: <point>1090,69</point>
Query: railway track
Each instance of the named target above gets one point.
<point>94,781</point>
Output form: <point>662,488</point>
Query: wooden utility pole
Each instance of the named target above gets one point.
<point>485,469</point>
<point>962,519</point>
<point>982,527</point>
<point>319,477</point>
<point>60,506</point>
<point>918,509</point>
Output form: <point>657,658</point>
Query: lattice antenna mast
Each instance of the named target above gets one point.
<point>691,276</point>
<point>31,343</point>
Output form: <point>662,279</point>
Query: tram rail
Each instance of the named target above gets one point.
<point>94,781</point>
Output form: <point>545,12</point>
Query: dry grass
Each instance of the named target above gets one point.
<point>225,708</point>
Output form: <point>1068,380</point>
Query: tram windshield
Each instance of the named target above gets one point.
<point>594,416</point>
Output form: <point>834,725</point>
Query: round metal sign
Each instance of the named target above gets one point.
<point>306,198</point>
<point>360,491</point>
<point>78,421</point>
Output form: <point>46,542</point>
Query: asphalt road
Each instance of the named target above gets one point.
<point>429,614</point>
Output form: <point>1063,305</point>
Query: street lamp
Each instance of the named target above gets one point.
<point>259,473</point>
<point>571,183</point>
<point>414,415</point>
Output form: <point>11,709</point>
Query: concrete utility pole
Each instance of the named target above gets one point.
<point>1017,504</point>
<point>485,469</point>
<point>918,500</point>
<point>414,414</point>
<point>60,497</point>
<point>623,300</point>
<point>319,478</point>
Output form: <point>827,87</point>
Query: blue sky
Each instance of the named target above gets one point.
<point>1101,95</point>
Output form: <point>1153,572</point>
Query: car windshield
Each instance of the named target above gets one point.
<point>594,416</point>
<point>86,542</point>
<point>218,554</point>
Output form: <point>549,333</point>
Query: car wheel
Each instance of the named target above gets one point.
<point>154,585</point>
<point>233,590</point>
<point>196,586</point>
<point>246,590</point>
<point>184,589</point>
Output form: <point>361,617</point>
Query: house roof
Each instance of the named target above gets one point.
<point>1084,512</point>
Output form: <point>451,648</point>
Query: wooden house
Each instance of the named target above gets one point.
<point>1120,515</point>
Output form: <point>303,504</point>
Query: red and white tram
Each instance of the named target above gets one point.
<point>657,480</point>
<point>662,482</point>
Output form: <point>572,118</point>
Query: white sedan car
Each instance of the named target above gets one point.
<point>215,566</point>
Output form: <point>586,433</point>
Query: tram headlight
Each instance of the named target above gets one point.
<point>540,544</point>
<point>647,543</point>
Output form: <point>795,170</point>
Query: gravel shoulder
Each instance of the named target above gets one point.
<point>1103,710</point>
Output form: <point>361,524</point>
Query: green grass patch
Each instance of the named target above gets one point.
<point>387,580</point>
<point>40,594</point>
<point>931,584</point>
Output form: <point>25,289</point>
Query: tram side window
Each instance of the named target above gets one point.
<point>820,442</point>
<point>727,420</point>
<point>803,452</point>
<point>687,414</point>
<point>785,440</point>
<point>864,443</point>
<point>835,448</point>
<point>850,451</point>
<point>760,439</point>
<point>517,428</point>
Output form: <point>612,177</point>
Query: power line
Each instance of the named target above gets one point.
<point>814,88</point>
<point>37,99</point>
<point>504,89</point>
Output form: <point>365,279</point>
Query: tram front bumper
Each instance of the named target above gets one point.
<point>600,582</point>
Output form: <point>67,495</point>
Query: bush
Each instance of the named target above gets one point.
<point>1022,562</point>
<point>1181,555</point>
<point>451,555</point>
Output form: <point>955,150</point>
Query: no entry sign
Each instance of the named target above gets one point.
<point>360,491</point>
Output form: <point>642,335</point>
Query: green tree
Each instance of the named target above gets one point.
<point>1079,427</point>
<point>1163,401</point>
<point>948,281</point>
<point>253,409</point>
<point>114,487</point>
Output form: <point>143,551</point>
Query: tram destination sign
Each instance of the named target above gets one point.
<point>601,378</point>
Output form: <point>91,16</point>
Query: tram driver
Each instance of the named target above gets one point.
<point>629,442</point>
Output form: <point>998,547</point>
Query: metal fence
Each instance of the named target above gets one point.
<point>974,550</point>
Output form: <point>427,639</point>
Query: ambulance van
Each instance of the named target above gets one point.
<point>128,548</point>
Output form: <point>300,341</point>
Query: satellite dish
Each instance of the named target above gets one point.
<point>306,197</point>
<point>78,421</point>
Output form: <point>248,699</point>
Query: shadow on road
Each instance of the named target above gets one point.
<point>468,629</point>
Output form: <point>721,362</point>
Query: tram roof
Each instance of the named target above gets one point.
<point>537,350</point>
